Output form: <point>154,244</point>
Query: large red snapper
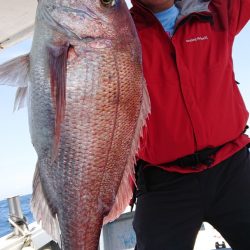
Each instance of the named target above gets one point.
<point>87,103</point>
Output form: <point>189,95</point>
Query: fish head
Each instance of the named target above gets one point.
<point>100,23</point>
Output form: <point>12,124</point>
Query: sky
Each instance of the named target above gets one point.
<point>17,156</point>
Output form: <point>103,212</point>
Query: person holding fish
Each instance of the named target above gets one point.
<point>194,163</point>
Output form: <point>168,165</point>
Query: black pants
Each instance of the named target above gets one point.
<point>171,207</point>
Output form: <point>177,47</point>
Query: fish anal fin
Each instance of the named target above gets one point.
<point>43,212</point>
<point>57,55</point>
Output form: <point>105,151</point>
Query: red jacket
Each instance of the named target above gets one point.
<point>195,101</point>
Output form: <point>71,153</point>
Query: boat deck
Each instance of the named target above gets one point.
<point>118,235</point>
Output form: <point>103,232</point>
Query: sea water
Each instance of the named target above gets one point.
<point>5,227</point>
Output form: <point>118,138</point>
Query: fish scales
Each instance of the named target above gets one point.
<point>98,125</point>
<point>85,74</point>
<point>93,139</point>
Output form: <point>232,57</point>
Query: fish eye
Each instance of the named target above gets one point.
<point>108,3</point>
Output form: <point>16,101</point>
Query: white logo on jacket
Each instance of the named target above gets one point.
<point>197,39</point>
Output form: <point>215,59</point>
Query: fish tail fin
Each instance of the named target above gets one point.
<point>58,66</point>
<point>125,191</point>
<point>15,73</point>
<point>42,211</point>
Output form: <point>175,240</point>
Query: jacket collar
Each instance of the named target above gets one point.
<point>186,7</point>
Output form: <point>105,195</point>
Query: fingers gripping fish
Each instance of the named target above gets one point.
<point>87,104</point>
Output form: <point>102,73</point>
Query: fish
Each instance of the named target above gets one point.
<point>88,104</point>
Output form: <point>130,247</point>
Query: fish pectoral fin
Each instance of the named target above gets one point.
<point>15,72</point>
<point>57,55</point>
<point>42,211</point>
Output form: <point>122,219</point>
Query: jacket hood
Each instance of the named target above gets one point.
<point>186,6</point>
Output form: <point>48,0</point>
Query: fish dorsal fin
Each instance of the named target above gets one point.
<point>42,211</point>
<point>15,73</point>
<point>57,55</point>
<point>125,191</point>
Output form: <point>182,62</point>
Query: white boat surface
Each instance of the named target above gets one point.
<point>117,235</point>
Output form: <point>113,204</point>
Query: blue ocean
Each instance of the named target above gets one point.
<point>5,227</point>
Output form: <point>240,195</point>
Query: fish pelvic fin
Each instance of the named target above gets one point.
<point>41,209</point>
<point>20,99</point>
<point>57,55</point>
<point>15,73</point>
